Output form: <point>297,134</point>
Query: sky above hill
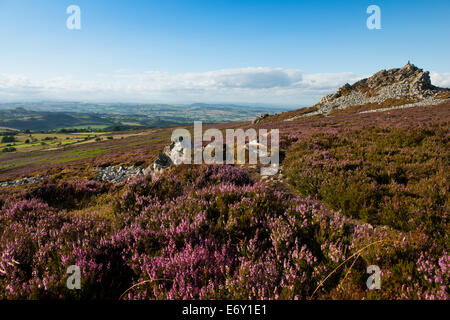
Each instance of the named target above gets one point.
<point>239,51</point>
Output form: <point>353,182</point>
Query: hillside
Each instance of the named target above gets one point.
<point>355,189</point>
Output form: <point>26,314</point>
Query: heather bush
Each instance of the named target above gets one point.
<point>37,245</point>
<point>396,180</point>
<point>223,236</point>
<point>68,195</point>
<point>413,265</point>
<point>394,177</point>
<point>195,232</point>
<point>200,260</point>
<point>203,232</point>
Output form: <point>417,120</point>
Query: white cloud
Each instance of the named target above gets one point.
<point>251,85</point>
<point>327,81</point>
<point>440,79</point>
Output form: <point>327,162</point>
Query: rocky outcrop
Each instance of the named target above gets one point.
<point>403,86</point>
<point>20,182</point>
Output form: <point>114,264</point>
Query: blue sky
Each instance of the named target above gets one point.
<point>278,52</point>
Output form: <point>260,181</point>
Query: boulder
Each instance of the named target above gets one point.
<point>260,118</point>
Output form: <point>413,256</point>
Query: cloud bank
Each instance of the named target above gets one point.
<point>440,79</point>
<point>245,85</point>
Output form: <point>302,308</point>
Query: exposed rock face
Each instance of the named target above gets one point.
<point>407,86</point>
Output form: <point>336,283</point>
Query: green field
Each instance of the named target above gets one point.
<point>25,142</point>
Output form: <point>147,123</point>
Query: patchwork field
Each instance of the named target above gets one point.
<point>26,142</point>
<point>55,116</point>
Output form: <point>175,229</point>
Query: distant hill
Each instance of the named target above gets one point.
<point>57,115</point>
<point>23,119</point>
